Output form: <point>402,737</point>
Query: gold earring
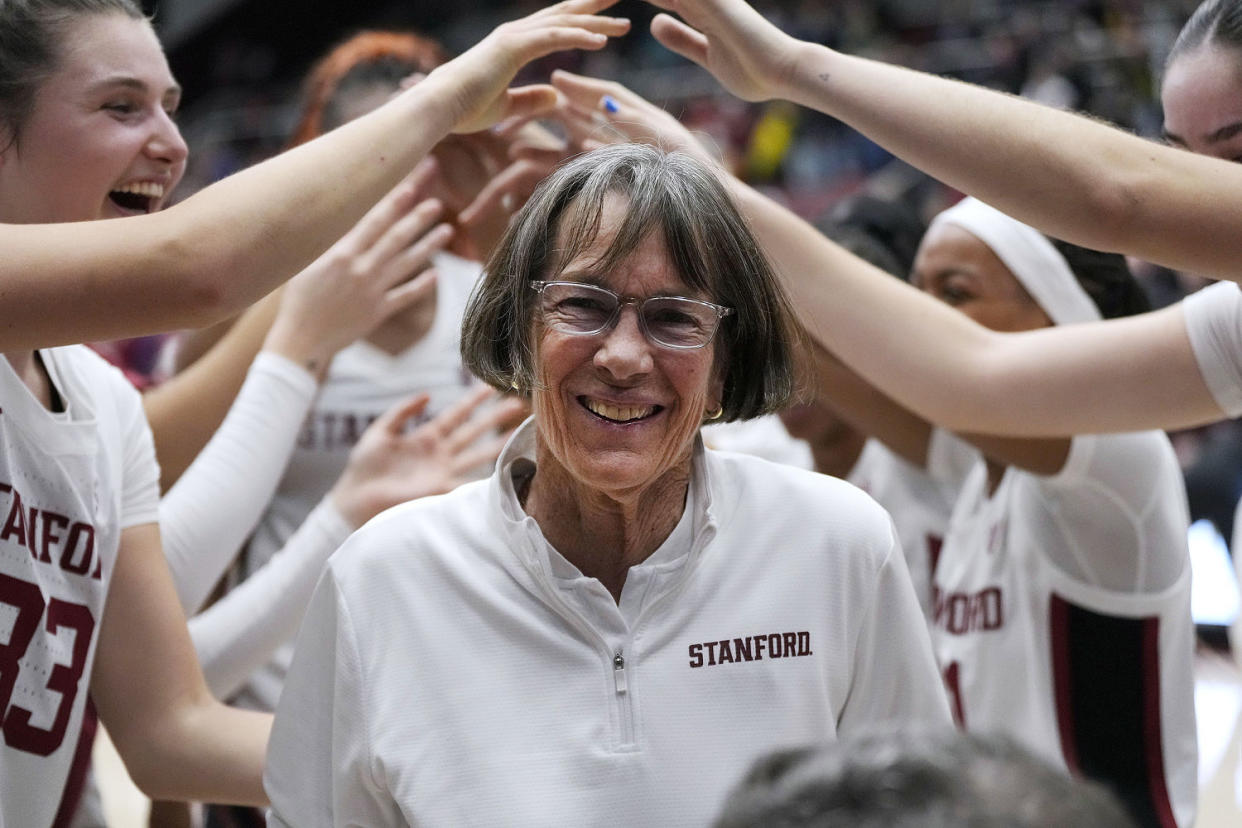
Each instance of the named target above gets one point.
<point>716,414</point>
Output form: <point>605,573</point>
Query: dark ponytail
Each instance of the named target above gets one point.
<point>1106,278</point>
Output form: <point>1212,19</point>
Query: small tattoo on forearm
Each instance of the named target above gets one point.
<point>824,76</point>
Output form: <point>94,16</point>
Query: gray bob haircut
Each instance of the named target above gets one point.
<point>707,240</point>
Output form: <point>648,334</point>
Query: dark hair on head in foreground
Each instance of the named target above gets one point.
<point>916,779</point>
<point>882,232</point>
<point>1214,22</point>
<point>30,50</point>
<point>669,193</point>
<point>1107,279</point>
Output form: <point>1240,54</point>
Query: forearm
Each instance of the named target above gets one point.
<point>175,739</point>
<point>224,765</point>
<point>1065,174</point>
<point>222,248</point>
<point>240,632</point>
<point>187,409</point>
<point>1118,375</point>
<point>867,409</point>
<point>907,345</point>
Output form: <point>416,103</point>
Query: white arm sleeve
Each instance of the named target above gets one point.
<point>1214,324</point>
<point>240,632</point>
<point>320,771</point>
<point>216,503</point>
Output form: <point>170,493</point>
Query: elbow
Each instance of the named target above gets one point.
<point>209,287</point>
<point>1116,207</point>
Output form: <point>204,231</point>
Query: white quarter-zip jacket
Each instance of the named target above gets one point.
<point>454,669</point>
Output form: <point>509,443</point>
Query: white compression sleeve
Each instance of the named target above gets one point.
<point>240,632</point>
<point>206,516</point>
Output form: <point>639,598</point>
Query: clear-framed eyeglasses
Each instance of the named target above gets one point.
<point>668,321</point>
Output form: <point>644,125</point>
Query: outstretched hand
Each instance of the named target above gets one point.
<point>592,113</point>
<point>381,266</point>
<point>478,78</point>
<point>619,114</point>
<point>752,58</point>
<point>392,464</point>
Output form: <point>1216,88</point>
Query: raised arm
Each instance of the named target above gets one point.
<point>233,242</point>
<point>1065,174</point>
<point>363,279</point>
<point>176,740</point>
<point>1119,375</point>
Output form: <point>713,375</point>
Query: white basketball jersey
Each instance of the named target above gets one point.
<point>362,383</point>
<point>1062,618</point>
<point>69,483</point>
<point>919,504</point>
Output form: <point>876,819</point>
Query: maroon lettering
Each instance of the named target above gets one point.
<point>63,679</point>
<point>306,436</point>
<point>329,430</point>
<point>80,536</point>
<point>30,535</point>
<point>350,428</point>
<point>959,613</point>
<point>52,526</point>
<point>15,526</point>
<point>751,648</point>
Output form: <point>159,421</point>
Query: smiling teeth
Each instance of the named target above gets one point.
<point>619,413</point>
<point>150,189</point>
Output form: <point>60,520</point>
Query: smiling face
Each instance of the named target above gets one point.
<point>100,141</point>
<point>1202,98</point>
<point>959,269</point>
<point>615,412</point>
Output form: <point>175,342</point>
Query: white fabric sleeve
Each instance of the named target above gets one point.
<point>1115,515</point>
<point>895,680</point>
<point>320,769</point>
<point>140,497</point>
<point>239,633</point>
<point>1214,324</point>
<point>206,516</point>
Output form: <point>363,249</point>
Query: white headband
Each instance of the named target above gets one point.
<point>1028,254</point>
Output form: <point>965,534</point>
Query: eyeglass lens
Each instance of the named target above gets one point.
<point>669,320</point>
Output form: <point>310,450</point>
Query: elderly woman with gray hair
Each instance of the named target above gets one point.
<point>618,621</point>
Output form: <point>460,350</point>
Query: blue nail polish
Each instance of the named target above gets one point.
<point>610,105</point>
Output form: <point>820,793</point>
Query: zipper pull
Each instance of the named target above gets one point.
<point>618,671</point>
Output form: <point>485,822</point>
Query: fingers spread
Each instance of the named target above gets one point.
<point>412,227</point>
<point>451,418</point>
<point>408,293</point>
<point>506,414</point>
<point>394,419</point>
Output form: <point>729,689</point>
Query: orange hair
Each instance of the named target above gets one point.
<point>419,54</point>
